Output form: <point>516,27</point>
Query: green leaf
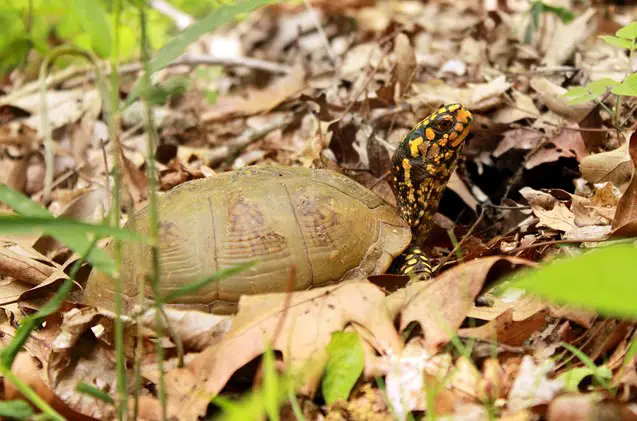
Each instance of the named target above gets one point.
<point>628,32</point>
<point>579,95</point>
<point>56,227</point>
<point>616,42</point>
<point>94,392</point>
<point>565,15</point>
<point>94,20</point>
<point>215,277</point>
<point>344,366</point>
<point>628,87</point>
<point>601,280</point>
<point>170,52</point>
<point>77,241</point>
<point>599,87</point>
<point>573,377</point>
<point>21,204</point>
<point>15,409</point>
<point>271,386</point>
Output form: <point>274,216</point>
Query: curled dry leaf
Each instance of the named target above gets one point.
<point>523,107</point>
<point>26,368</point>
<point>405,62</point>
<point>442,304</point>
<point>552,96</point>
<point>550,212</point>
<point>565,144</point>
<point>510,321</point>
<point>304,322</point>
<point>614,166</point>
<point>83,351</point>
<point>626,216</point>
<point>532,385</point>
<point>196,329</point>
<point>25,264</point>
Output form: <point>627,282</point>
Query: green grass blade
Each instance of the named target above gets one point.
<point>170,52</point>
<point>78,242</point>
<point>10,224</point>
<point>217,276</point>
<point>94,392</point>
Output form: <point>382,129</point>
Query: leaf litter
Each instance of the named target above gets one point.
<point>540,179</point>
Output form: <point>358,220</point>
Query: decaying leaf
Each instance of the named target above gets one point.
<point>627,206</point>
<point>441,305</point>
<point>299,325</point>
<point>259,101</point>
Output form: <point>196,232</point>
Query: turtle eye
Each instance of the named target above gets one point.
<point>443,125</point>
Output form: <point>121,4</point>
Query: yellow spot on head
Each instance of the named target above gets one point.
<point>412,261</point>
<point>431,135</point>
<point>454,107</point>
<point>460,138</point>
<point>463,116</point>
<point>413,146</point>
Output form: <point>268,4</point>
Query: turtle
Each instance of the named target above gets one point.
<point>329,226</point>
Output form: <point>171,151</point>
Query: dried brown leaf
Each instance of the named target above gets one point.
<point>566,144</point>
<point>627,206</point>
<point>442,304</point>
<point>405,62</point>
<point>258,101</point>
<point>309,318</point>
<point>614,166</point>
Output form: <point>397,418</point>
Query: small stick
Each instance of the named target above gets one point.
<point>460,243</point>
<point>553,242</point>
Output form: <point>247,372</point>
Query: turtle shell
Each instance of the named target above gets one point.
<point>327,225</point>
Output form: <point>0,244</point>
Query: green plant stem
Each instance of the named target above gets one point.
<point>30,394</point>
<point>152,205</point>
<point>44,109</point>
<point>113,128</point>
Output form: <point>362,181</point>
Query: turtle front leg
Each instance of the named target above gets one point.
<point>415,264</point>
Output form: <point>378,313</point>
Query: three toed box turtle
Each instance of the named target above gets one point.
<point>326,224</point>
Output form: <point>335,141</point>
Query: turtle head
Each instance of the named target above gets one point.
<point>423,163</point>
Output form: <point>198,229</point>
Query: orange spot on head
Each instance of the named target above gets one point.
<point>459,127</point>
<point>431,135</point>
<point>463,116</point>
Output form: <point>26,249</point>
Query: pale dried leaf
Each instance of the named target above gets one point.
<point>442,304</point>
<point>309,318</point>
<point>532,385</point>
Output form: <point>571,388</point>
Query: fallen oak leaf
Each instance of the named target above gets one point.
<point>309,318</point>
<point>441,305</point>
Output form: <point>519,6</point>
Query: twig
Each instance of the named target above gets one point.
<point>44,107</point>
<point>550,243</point>
<point>235,146</point>
<point>196,60</point>
<point>460,243</point>
<point>181,19</point>
<point>319,29</point>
